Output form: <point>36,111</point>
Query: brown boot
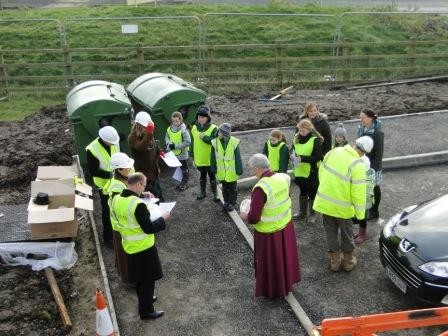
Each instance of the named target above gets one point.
<point>349,262</point>
<point>335,261</point>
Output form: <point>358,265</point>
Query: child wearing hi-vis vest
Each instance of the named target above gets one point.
<point>277,152</point>
<point>306,154</point>
<point>202,133</point>
<point>177,140</point>
<point>226,164</point>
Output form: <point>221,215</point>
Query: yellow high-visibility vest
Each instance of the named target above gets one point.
<point>342,184</point>
<point>175,138</point>
<point>304,168</point>
<point>274,155</point>
<point>114,187</point>
<point>103,157</point>
<point>201,149</point>
<point>225,159</point>
<point>276,213</point>
<point>133,238</point>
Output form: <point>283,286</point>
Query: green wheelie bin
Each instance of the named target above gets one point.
<point>162,94</point>
<point>95,104</point>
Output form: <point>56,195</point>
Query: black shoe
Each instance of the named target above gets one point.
<point>152,315</point>
<point>229,208</point>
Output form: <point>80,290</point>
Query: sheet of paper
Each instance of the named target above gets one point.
<point>178,174</point>
<point>166,207</point>
<point>171,160</point>
<point>151,200</point>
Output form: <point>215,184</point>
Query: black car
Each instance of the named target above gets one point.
<point>414,250</point>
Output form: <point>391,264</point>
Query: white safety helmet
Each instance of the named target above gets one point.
<point>109,134</point>
<point>365,143</point>
<point>121,160</point>
<point>143,118</point>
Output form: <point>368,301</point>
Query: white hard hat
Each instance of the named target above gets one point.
<point>365,143</point>
<point>143,118</point>
<point>109,134</point>
<point>121,160</point>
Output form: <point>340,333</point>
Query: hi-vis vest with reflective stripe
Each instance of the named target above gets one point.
<point>304,168</point>
<point>225,159</point>
<point>175,138</point>
<point>274,155</point>
<point>114,187</point>
<point>103,157</point>
<point>276,213</point>
<point>342,184</point>
<point>201,149</point>
<point>133,238</point>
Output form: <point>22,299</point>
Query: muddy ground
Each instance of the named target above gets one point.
<point>46,138</point>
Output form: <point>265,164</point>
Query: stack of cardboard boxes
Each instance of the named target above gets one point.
<point>67,193</point>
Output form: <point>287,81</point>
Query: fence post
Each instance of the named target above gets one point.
<point>210,65</point>
<point>411,53</point>
<point>278,62</point>
<point>3,76</point>
<point>68,66</point>
<point>346,63</point>
<point>140,58</point>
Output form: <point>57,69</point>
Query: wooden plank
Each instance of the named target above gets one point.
<point>282,92</point>
<point>58,297</point>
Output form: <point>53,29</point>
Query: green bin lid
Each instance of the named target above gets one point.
<point>164,93</point>
<point>96,91</point>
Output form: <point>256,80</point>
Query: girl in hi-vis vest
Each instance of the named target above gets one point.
<point>306,154</point>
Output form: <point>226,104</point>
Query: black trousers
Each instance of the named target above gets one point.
<point>145,293</point>
<point>105,217</point>
<point>204,171</point>
<point>229,192</point>
<point>377,198</point>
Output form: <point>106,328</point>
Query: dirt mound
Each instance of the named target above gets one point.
<point>45,138</point>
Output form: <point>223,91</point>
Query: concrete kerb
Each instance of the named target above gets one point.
<point>110,302</point>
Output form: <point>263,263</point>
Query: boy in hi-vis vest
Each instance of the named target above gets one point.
<point>226,164</point>
<point>177,140</point>
<point>202,133</point>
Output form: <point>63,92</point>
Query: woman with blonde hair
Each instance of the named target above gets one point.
<point>277,151</point>
<point>306,153</point>
<point>320,123</point>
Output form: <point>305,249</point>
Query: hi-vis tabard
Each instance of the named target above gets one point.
<point>103,157</point>
<point>342,184</point>
<point>274,155</point>
<point>276,213</point>
<point>133,238</point>
<point>304,168</point>
<point>225,159</point>
<point>201,149</point>
<point>175,138</point>
<point>114,187</point>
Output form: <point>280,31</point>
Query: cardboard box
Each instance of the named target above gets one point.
<point>57,219</point>
<point>56,172</point>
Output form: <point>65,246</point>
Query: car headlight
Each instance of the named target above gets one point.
<point>437,268</point>
<point>389,227</point>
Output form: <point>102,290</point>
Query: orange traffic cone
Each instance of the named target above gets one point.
<point>103,321</point>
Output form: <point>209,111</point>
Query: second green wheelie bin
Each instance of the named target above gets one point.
<point>94,104</point>
<point>162,94</point>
